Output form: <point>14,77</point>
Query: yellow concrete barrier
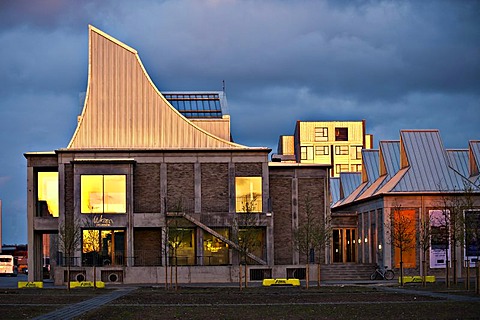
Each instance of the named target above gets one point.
<point>281,282</point>
<point>30,284</point>
<point>407,279</point>
<point>86,284</point>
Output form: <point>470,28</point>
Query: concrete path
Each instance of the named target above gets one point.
<point>74,310</point>
<point>447,296</point>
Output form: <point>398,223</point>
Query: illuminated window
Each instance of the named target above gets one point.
<point>306,153</point>
<point>357,152</point>
<point>249,194</point>
<point>215,251</point>
<point>356,168</point>
<point>47,194</point>
<point>321,150</point>
<point>321,134</point>
<point>341,134</point>
<point>341,150</point>
<point>182,246</point>
<point>251,240</point>
<point>103,194</point>
<point>341,168</point>
<point>103,247</point>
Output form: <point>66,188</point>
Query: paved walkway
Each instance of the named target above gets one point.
<point>74,310</point>
<point>448,296</point>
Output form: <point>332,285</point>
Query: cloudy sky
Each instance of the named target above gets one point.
<point>396,64</point>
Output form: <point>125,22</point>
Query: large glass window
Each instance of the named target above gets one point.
<point>103,247</point>
<point>47,194</point>
<point>182,246</point>
<point>249,194</point>
<point>215,251</point>
<point>103,194</point>
<point>251,240</point>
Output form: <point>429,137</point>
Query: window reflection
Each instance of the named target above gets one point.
<point>182,246</point>
<point>103,194</point>
<point>215,251</point>
<point>47,194</point>
<point>103,247</point>
<point>249,194</point>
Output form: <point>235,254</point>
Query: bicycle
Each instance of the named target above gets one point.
<point>384,273</point>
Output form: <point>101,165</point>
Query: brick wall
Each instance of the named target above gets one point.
<point>69,195</point>
<point>215,195</point>
<point>147,246</point>
<point>248,169</point>
<point>180,187</point>
<point>281,194</point>
<point>146,188</point>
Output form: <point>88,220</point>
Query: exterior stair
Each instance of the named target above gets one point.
<point>216,234</point>
<point>344,271</point>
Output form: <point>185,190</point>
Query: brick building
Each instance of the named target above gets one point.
<point>142,186</point>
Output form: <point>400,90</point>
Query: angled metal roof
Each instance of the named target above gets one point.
<point>458,160</point>
<point>428,166</point>
<point>474,147</point>
<point>349,181</point>
<point>335,190</point>
<point>370,165</point>
<point>191,104</point>
<point>390,152</point>
<point>123,109</point>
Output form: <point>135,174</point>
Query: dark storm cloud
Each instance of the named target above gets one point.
<point>396,64</point>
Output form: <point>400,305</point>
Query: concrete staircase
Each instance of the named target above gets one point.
<point>345,271</point>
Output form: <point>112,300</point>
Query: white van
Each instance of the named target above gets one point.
<point>7,266</point>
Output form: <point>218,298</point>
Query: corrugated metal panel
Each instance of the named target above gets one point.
<point>123,108</point>
<point>428,163</point>
<point>349,181</point>
<point>390,151</point>
<point>217,127</point>
<point>474,147</point>
<point>370,165</point>
<point>335,189</point>
<point>458,160</point>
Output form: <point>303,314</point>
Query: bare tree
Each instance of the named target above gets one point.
<point>402,234</point>
<point>69,239</point>
<point>312,234</point>
<point>472,235</point>
<point>91,244</point>
<point>424,241</point>
<point>245,235</point>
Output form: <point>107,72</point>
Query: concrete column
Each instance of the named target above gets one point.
<point>296,256</point>
<point>198,187</point>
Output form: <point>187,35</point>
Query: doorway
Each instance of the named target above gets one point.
<point>344,245</point>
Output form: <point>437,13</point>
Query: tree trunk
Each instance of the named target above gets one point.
<point>246,275</point>
<point>240,276</point>
<point>454,261</point>
<point>307,275</point>
<point>467,281</point>
<point>318,274</point>
<point>401,267</point>
<point>477,289</point>
<point>424,273</point>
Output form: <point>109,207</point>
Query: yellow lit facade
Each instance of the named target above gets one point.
<point>47,194</point>
<point>335,143</point>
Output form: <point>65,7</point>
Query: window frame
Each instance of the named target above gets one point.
<point>321,133</point>
<point>257,199</point>
<point>318,149</point>
<point>341,134</point>
<point>104,205</point>
<point>342,150</point>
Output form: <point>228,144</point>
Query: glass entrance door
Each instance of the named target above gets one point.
<point>344,245</point>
